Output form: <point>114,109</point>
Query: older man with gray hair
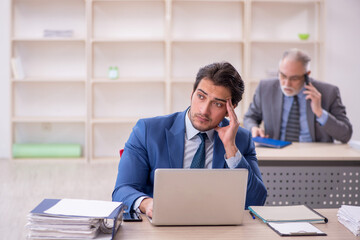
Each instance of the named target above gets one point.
<point>295,107</point>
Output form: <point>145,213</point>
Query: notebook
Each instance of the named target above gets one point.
<point>295,213</point>
<point>199,196</point>
<point>269,142</point>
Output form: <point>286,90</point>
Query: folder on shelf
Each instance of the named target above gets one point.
<point>75,218</point>
<point>269,142</point>
<point>295,213</point>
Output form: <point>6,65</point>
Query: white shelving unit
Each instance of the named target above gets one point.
<point>157,46</point>
<point>49,100</point>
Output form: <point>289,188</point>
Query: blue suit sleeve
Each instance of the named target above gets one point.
<point>256,190</point>
<point>133,172</point>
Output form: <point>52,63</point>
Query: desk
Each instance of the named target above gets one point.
<point>251,229</point>
<point>321,175</point>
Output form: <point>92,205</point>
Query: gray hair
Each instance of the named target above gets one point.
<point>297,55</point>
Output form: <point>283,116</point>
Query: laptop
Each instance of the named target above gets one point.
<point>199,196</point>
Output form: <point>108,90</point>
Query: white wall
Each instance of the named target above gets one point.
<point>342,65</point>
<point>4,79</point>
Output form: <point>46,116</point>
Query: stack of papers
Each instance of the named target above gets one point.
<point>73,219</point>
<point>349,216</point>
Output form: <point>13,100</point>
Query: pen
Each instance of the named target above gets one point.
<point>252,215</point>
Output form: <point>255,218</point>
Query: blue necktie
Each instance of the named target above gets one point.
<point>199,157</point>
<point>293,125</point>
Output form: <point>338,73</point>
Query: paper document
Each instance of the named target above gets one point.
<point>295,229</point>
<point>349,216</point>
<point>84,208</point>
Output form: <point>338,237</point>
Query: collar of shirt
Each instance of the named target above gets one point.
<point>191,132</point>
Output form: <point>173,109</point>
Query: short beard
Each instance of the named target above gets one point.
<point>294,92</point>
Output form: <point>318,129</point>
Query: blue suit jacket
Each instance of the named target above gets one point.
<point>159,143</point>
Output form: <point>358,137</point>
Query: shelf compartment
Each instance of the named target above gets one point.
<point>188,58</point>
<point>217,20</point>
<point>134,60</point>
<point>128,100</point>
<point>109,138</point>
<point>265,58</point>
<point>181,96</point>
<point>61,15</point>
<point>65,60</point>
<point>49,100</point>
<point>284,20</point>
<point>129,19</point>
<point>49,132</point>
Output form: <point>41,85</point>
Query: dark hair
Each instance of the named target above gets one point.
<point>223,74</point>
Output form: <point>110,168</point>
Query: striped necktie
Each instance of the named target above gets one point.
<point>199,157</point>
<point>293,124</point>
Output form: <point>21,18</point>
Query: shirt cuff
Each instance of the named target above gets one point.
<point>233,161</point>
<point>324,117</point>
<point>137,203</point>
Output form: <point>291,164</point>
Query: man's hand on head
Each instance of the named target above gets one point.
<point>227,134</point>
<point>146,206</point>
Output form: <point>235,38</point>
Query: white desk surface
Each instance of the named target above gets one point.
<point>253,229</point>
<point>309,152</point>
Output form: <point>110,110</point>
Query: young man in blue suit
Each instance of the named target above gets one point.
<point>171,141</point>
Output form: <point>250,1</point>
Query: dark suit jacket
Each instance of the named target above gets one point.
<point>267,106</point>
<point>159,143</point>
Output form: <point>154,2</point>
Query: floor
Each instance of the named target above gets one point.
<point>23,184</point>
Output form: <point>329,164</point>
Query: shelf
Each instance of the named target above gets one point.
<point>283,20</point>
<point>202,54</point>
<point>265,58</point>
<point>50,132</point>
<point>128,100</point>
<point>115,120</point>
<point>32,17</point>
<point>63,92</point>
<point>49,119</point>
<point>49,40</point>
<point>287,1</point>
<point>283,41</point>
<point>42,99</point>
<point>128,19</point>
<point>134,60</point>
<point>51,58</point>
<point>108,139</point>
<point>126,80</point>
<point>48,80</point>
<point>128,40</point>
<point>224,20</point>
<point>206,40</point>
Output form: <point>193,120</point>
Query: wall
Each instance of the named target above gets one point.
<point>4,79</point>
<point>342,65</point>
<point>342,61</point>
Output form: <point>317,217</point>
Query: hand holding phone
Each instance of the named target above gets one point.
<point>306,76</point>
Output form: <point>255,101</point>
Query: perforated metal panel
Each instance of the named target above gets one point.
<point>316,186</point>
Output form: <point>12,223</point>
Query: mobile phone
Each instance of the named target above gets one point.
<point>131,217</point>
<point>306,76</point>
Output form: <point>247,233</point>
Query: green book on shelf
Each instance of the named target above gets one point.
<point>48,150</point>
